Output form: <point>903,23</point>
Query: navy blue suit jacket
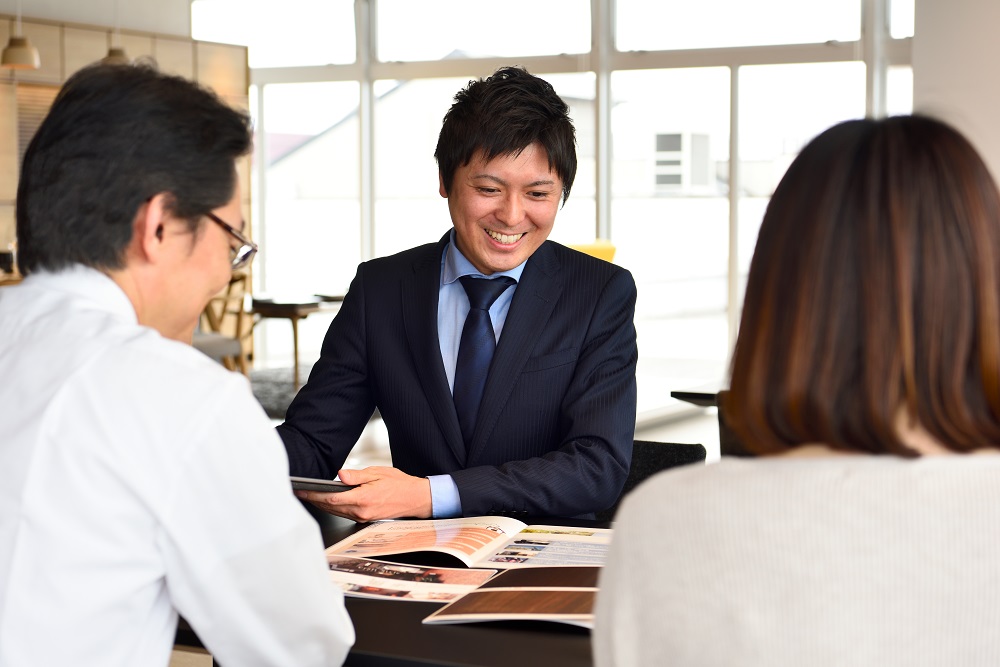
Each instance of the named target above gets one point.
<point>555,428</point>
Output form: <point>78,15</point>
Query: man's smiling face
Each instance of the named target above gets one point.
<point>503,209</point>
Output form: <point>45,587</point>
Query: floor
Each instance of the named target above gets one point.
<point>699,426</point>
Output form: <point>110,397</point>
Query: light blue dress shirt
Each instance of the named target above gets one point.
<point>453,307</point>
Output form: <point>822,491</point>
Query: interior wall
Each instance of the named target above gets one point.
<point>166,17</point>
<point>956,64</point>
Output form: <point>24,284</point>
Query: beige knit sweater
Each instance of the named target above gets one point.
<point>852,560</point>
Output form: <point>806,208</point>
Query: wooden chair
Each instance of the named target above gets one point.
<point>649,458</point>
<point>224,331</point>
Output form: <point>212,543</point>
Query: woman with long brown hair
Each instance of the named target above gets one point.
<point>868,356</point>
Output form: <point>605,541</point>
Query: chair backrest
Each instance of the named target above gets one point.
<point>600,248</point>
<point>223,332</point>
<point>217,346</point>
<point>649,458</point>
<point>729,444</point>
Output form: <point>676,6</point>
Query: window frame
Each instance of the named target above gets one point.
<point>876,48</point>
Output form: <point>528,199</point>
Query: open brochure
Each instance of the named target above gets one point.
<point>481,542</point>
<point>558,594</point>
<point>367,578</point>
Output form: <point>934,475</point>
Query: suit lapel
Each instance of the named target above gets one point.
<point>420,307</point>
<point>537,293</point>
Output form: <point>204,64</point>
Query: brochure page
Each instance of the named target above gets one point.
<point>362,577</point>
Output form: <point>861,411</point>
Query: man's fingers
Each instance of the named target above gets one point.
<point>329,502</point>
<point>382,493</point>
<point>365,475</point>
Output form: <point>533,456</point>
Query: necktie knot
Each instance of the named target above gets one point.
<point>482,292</point>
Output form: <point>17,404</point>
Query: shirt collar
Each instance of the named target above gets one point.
<point>88,284</point>
<point>456,265</point>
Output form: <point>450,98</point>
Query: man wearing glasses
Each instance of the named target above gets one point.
<point>503,364</point>
<point>124,451</point>
<point>243,252</point>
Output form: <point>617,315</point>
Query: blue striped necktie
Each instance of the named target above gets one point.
<point>475,351</point>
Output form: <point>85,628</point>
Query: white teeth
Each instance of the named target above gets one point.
<point>506,239</point>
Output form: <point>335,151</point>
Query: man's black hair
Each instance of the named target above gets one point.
<point>116,136</point>
<point>502,115</point>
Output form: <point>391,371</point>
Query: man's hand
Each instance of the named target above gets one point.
<point>382,493</point>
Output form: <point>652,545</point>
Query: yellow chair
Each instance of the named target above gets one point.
<point>600,248</point>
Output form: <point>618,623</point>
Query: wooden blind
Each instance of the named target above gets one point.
<point>33,102</point>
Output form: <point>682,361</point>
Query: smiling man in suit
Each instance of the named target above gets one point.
<point>542,426</point>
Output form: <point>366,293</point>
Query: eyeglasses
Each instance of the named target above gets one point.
<point>242,255</point>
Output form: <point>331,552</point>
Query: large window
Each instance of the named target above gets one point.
<point>682,24</point>
<point>311,229</point>
<point>310,151</point>
<point>408,209</point>
<point>412,31</point>
<point>670,220</point>
<point>687,116</point>
<point>289,33</point>
<point>781,108</point>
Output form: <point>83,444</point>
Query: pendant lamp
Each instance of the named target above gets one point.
<point>116,56</point>
<point>116,53</point>
<point>19,54</point>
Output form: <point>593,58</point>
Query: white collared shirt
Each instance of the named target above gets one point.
<point>139,479</point>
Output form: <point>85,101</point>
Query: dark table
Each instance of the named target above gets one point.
<point>390,632</point>
<point>703,395</point>
<point>708,396</point>
<point>292,309</point>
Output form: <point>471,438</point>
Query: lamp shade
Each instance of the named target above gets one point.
<point>20,54</point>
<point>116,56</point>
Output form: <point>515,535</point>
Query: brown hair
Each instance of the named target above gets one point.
<point>874,286</point>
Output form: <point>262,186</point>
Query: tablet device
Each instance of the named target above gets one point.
<point>324,485</point>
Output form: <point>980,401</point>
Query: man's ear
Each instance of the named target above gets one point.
<point>148,228</point>
<point>441,188</point>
